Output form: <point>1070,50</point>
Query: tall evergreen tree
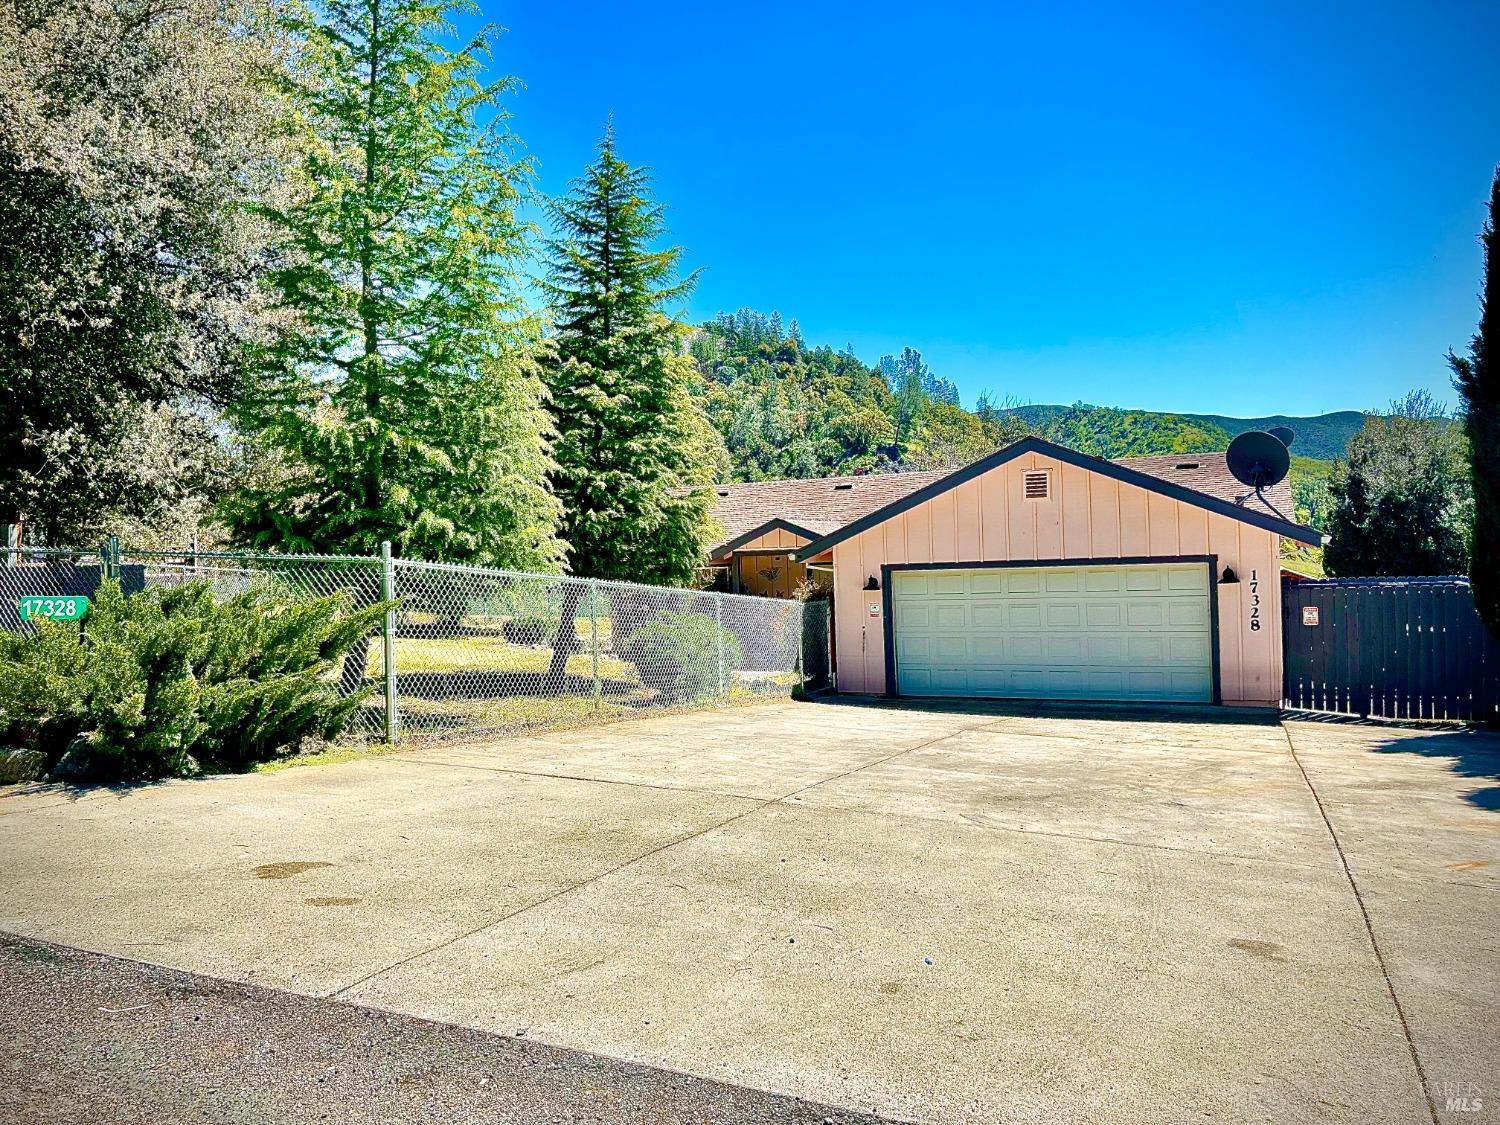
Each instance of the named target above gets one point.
<point>635,453</point>
<point>1478,382</point>
<point>405,403</point>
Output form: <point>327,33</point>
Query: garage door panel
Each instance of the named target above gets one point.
<point>1063,615</point>
<point>950,582</point>
<point>1066,648</point>
<point>1146,648</point>
<point>1183,613</point>
<point>1104,615</point>
<point>1024,648</point>
<point>916,649</point>
<point>986,582</point>
<point>954,615</point>
<point>1108,649</point>
<point>1185,580</point>
<point>949,649</point>
<point>989,615</point>
<point>1024,582</point>
<point>1190,649</point>
<point>1102,581</point>
<point>1093,632</point>
<point>1143,580</point>
<point>1023,615</point>
<point>988,648</point>
<point>1145,613</point>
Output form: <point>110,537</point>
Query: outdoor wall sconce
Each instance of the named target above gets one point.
<point>873,583</point>
<point>1229,578</point>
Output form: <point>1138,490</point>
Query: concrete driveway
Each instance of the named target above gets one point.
<point>945,914</point>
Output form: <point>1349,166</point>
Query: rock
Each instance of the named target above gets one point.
<point>21,765</point>
<point>74,764</point>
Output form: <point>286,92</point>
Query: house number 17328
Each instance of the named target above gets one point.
<point>1254,602</point>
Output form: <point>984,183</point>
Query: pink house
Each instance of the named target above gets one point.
<point>1037,572</point>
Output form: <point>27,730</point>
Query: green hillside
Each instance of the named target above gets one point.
<point>786,408</point>
<point>1322,436</point>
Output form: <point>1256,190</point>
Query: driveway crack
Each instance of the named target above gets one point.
<point>1390,986</point>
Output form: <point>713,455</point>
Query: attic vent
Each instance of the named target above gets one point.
<point>1186,465</point>
<point>1037,483</point>
<point>723,491</point>
<point>842,487</point>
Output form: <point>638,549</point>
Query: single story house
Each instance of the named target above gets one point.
<point>1036,572</point>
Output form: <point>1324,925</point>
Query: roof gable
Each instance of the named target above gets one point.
<point>770,525</point>
<point>1123,473</point>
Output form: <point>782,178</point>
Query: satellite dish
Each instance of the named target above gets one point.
<point>1284,434</point>
<point>1258,459</point>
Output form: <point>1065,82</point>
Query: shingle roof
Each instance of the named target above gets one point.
<point>824,504</point>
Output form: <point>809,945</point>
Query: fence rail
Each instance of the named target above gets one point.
<point>470,650</point>
<point>1394,648</point>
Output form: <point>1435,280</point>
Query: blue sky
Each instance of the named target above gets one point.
<point>1236,209</point>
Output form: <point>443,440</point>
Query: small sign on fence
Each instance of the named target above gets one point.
<point>57,607</point>
<point>1309,615</point>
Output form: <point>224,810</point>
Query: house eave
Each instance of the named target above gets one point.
<point>1098,465</point>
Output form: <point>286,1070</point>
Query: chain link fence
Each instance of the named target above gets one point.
<point>476,651</point>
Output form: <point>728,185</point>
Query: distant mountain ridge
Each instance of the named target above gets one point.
<point>1322,436</point>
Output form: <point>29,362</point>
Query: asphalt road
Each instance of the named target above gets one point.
<point>88,1038</point>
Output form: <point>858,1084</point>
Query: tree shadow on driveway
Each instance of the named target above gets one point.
<point>1473,753</point>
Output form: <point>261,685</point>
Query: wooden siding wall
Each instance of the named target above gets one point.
<point>772,540</point>
<point>987,519</point>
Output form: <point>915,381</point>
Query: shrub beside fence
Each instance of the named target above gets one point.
<point>472,650</point>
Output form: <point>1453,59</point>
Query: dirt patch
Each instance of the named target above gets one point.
<point>287,868</point>
<point>1267,949</point>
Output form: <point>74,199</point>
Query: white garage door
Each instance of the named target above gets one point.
<point>1075,632</point>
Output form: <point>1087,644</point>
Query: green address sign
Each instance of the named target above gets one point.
<point>55,607</point>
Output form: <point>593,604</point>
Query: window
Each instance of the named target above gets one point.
<point>1037,483</point>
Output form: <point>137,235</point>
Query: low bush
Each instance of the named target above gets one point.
<point>169,683</point>
<point>682,656</point>
<point>530,630</point>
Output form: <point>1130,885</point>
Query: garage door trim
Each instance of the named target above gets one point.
<point>888,607</point>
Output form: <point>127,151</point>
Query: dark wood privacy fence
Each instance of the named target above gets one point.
<point>1396,648</point>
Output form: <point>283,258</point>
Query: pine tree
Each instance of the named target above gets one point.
<point>404,402</point>
<point>1479,383</point>
<point>635,452</point>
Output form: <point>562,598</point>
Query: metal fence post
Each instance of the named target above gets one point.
<point>719,635</point>
<point>388,641</point>
<point>801,652</point>
<point>594,640</point>
<point>111,561</point>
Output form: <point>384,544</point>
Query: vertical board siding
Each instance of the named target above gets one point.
<point>772,540</point>
<point>1104,517</point>
<point>1135,535</point>
<point>944,534</point>
<point>1074,499</point>
<point>1389,648</point>
<point>1087,516</point>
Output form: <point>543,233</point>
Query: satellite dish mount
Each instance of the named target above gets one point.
<point>1259,460</point>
